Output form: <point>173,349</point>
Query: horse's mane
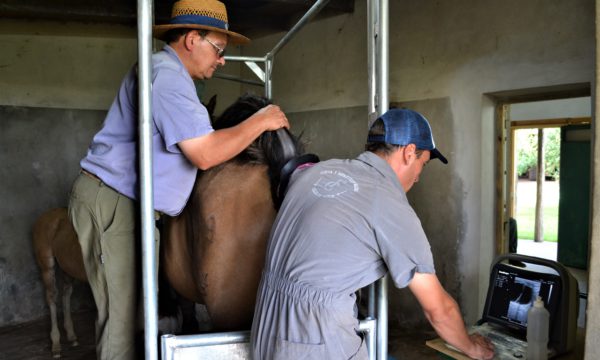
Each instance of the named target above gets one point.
<point>267,148</point>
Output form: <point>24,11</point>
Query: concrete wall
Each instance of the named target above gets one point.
<point>592,339</point>
<point>57,80</point>
<point>40,152</point>
<point>445,57</point>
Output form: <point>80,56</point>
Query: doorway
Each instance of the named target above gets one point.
<point>536,170</point>
<point>540,204</point>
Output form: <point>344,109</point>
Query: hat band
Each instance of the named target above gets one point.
<point>200,20</point>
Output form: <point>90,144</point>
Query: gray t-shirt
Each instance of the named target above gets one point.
<point>342,226</point>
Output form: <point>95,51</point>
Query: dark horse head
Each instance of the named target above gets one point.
<point>280,150</point>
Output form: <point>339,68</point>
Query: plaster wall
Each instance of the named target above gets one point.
<point>457,52</point>
<point>57,80</point>
<point>40,149</point>
<point>56,83</point>
<point>592,339</point>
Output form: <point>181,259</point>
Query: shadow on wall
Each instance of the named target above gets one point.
<point>437,200</point>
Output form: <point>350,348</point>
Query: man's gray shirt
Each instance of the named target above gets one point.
<point>342,226</point>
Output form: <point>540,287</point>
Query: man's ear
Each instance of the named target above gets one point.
<point>410,153</point>
<point>189,38</point>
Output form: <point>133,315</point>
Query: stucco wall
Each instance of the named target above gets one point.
<point>592,339</point>
<point>40,150</point>
<point>458,51</point>
<point>56,82</point>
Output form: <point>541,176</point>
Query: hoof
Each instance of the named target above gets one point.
<point>56,352</point>
<point>75,343</point>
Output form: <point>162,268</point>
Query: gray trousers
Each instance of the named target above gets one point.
<point>106,225</point>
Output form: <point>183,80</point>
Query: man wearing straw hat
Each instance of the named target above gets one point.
<point>103,206</point>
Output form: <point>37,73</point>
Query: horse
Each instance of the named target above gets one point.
<point>213,252</point>
<point>55,242</point>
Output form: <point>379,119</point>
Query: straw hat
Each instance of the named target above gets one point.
<point>199,14</point>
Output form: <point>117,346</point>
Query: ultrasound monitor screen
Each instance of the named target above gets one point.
<point>513,291</point>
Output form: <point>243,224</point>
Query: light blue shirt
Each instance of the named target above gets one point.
<point>177,115</point>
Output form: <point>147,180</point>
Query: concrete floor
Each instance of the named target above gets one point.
<point>31,341</point>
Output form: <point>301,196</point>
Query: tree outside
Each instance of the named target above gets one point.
<point>526,143</point>
<point>526,149</point>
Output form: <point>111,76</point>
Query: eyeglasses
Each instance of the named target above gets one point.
<point>220,50</point>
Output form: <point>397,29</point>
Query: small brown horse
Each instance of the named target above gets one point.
<point>55,241</point>
<point>213,253</point>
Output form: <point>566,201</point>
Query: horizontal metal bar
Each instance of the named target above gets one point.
<point>233,78</point>
<point>367,325</point>
<point>245,58</point>
<point>183,341</point>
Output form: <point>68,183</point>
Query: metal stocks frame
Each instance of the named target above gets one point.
<point>376,324</point>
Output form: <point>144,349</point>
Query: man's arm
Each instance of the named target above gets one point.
<point>221,145</point>
<point>444,315</point>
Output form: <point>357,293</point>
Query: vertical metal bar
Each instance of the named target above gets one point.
<point>382,318</point>
<point>372,16</point>
<point>378,64</point>
<point>383,59</point>
<point>268,83</point>
<point>383,85</point>
<point>144,12</point>
<point>371,298</point>
<point>368,327</point>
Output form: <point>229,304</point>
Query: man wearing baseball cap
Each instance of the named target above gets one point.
<point>343,225</point>
<point>103,205</point>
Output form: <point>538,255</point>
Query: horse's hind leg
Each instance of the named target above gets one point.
<point>50,284</point>
<point>68,320</point>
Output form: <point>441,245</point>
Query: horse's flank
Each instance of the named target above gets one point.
<point>224,229</point>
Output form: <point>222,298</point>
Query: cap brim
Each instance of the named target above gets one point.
<point>436,154</point>
<point>159,31</point>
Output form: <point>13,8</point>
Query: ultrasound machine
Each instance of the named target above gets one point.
<point>515,282</point>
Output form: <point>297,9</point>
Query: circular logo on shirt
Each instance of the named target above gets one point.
<point>333,183</point>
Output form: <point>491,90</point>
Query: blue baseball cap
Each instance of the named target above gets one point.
<point>403,127</point>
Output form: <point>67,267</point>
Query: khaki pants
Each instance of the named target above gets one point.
<point>106,223</point>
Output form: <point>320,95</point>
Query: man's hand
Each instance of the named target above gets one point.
<point>271,117</point>
<point>444,315</point>
<point>481,349</point>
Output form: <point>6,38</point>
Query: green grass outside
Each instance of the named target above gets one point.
<point>526,222</point>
